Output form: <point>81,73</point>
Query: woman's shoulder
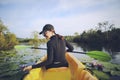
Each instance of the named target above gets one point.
<point>50,42</point>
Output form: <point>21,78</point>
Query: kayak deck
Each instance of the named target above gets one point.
<point>75,71</point>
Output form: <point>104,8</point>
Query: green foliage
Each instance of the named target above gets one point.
<point>69,38</point>
<point>113,69</point>
<point>7,39</point>
<point>21,47</point>
<point>109,66</point>
<point>115,73</point>
<point>3,28</point>
<point>2,40</point>
<point>101,75</point>
<point>23,40</point>
<point>105,35</point>
<point>35,41</point>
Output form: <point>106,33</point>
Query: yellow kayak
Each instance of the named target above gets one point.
<point>75,71</point>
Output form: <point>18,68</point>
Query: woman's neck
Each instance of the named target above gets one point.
<point>52,34</point>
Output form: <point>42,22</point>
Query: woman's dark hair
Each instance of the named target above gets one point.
<point>60,36</point>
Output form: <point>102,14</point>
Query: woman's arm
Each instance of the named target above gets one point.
<point>42,59</point>
<point>49,59</point>
<point>69,46</point>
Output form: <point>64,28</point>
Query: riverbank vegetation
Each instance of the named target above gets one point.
<point>105,34</point>
<point>34,41</point>
<point>7,39</point>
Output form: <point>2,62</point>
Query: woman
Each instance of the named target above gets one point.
<point>56,49</point>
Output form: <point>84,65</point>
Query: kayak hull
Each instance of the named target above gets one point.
<point>62,73</point>
<point>75,71</point>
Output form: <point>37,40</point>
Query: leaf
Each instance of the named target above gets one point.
<point>101,75</point>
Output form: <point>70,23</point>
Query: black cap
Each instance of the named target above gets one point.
<point>47,27</point>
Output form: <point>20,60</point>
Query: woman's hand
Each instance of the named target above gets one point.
<point>27,68</point>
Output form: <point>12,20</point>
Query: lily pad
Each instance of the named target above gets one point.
<point>21,46</point>
<point>115,73</point>
<point>101,75</point>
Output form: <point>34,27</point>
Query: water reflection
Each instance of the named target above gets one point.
<point>108,47</point>
<point>116,58</point>
<point>113,50</point>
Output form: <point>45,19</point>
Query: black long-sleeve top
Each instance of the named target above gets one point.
<point>56,49</point>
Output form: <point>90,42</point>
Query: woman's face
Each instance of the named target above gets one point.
<point>47,34</point>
